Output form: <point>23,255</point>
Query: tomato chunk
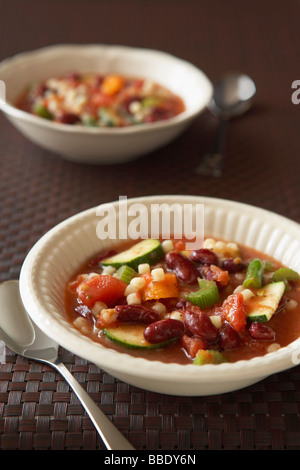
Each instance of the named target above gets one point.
<point>192,345</point>
<point>108,289</point>
<point>234,312</point>
<point>220,275</point>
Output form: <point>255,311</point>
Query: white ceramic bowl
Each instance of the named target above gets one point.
<point>105,145</point>
<point>60,252</point>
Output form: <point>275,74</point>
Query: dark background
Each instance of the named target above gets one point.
<point>38,189</point>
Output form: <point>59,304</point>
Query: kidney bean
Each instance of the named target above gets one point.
<point>182,304</point>
<point>261,331</point>
<point>163,330</point>
<point>206,273</point>
<point>228,337</point>
<point>136,313</point>
<point>232,266</point>
<point>182,266</point>
<point>198,324</point>
<point>204,256</point>
<point>68,118</point>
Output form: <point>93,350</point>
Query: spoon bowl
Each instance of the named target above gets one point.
<point>232,97</point>
<point>23,337</point>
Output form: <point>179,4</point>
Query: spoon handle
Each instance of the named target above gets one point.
<point>111,436</point>
<point>212,162</point>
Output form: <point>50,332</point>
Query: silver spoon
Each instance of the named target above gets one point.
<point>20,335</point>
<point>232,97</point>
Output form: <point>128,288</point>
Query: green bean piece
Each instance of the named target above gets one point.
<point>268,265</point>
<point>254,274</point>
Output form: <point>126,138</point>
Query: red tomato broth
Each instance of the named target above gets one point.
<point>286,323</point>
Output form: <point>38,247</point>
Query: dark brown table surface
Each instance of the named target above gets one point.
<point>39,189</point>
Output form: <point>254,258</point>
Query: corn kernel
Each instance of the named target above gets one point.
<point>232,249</point>
<point>131,289</point>
<point>216,321</point>
<point>209,243</point>
<point>138,282</point>
<point>158,274</point>
<point>220,247</point>
<point>82,324</point>
<point>159,308</point>
<point>167,246</point>
<point>176,315</point>
<point>143,268</point>
<point>273,347</point>
<point>98,307</point>
<point>108,270</point>
<point>108,315</point>
<point>134,299</point>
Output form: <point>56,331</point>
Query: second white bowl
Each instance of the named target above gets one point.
<point>103,145</point>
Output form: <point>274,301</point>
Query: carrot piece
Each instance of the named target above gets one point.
<point>160,289</point>
<point>112,84</point>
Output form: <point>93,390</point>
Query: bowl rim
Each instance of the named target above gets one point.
<point>184,116</point>
<point>110,359</point>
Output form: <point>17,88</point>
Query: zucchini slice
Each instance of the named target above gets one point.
<point>147,251</point>
<point>262,306</point>
<point>132,336</point>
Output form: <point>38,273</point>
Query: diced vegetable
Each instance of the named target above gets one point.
<point>234,311</point>
<point>207,296</point>
<point>147,297</point>
<point>108,289</point>
<point>268,265</point>
<point>100,100</point>
<point>254,274</point>
<point>132,336</point>
<point>165,289</point>
<point>42,111</point>
<point>89,121</point>
<point>107,118</point>
<point>112,84</point>
<point>151,101</point>
<point>126,273</point>
<point>285,274</point>
<point>263,305</point>
<point>220,276</point>
<point>146,251</point>
<point>208,356</point>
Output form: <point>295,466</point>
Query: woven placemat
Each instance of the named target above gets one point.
<point>38,411</point>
